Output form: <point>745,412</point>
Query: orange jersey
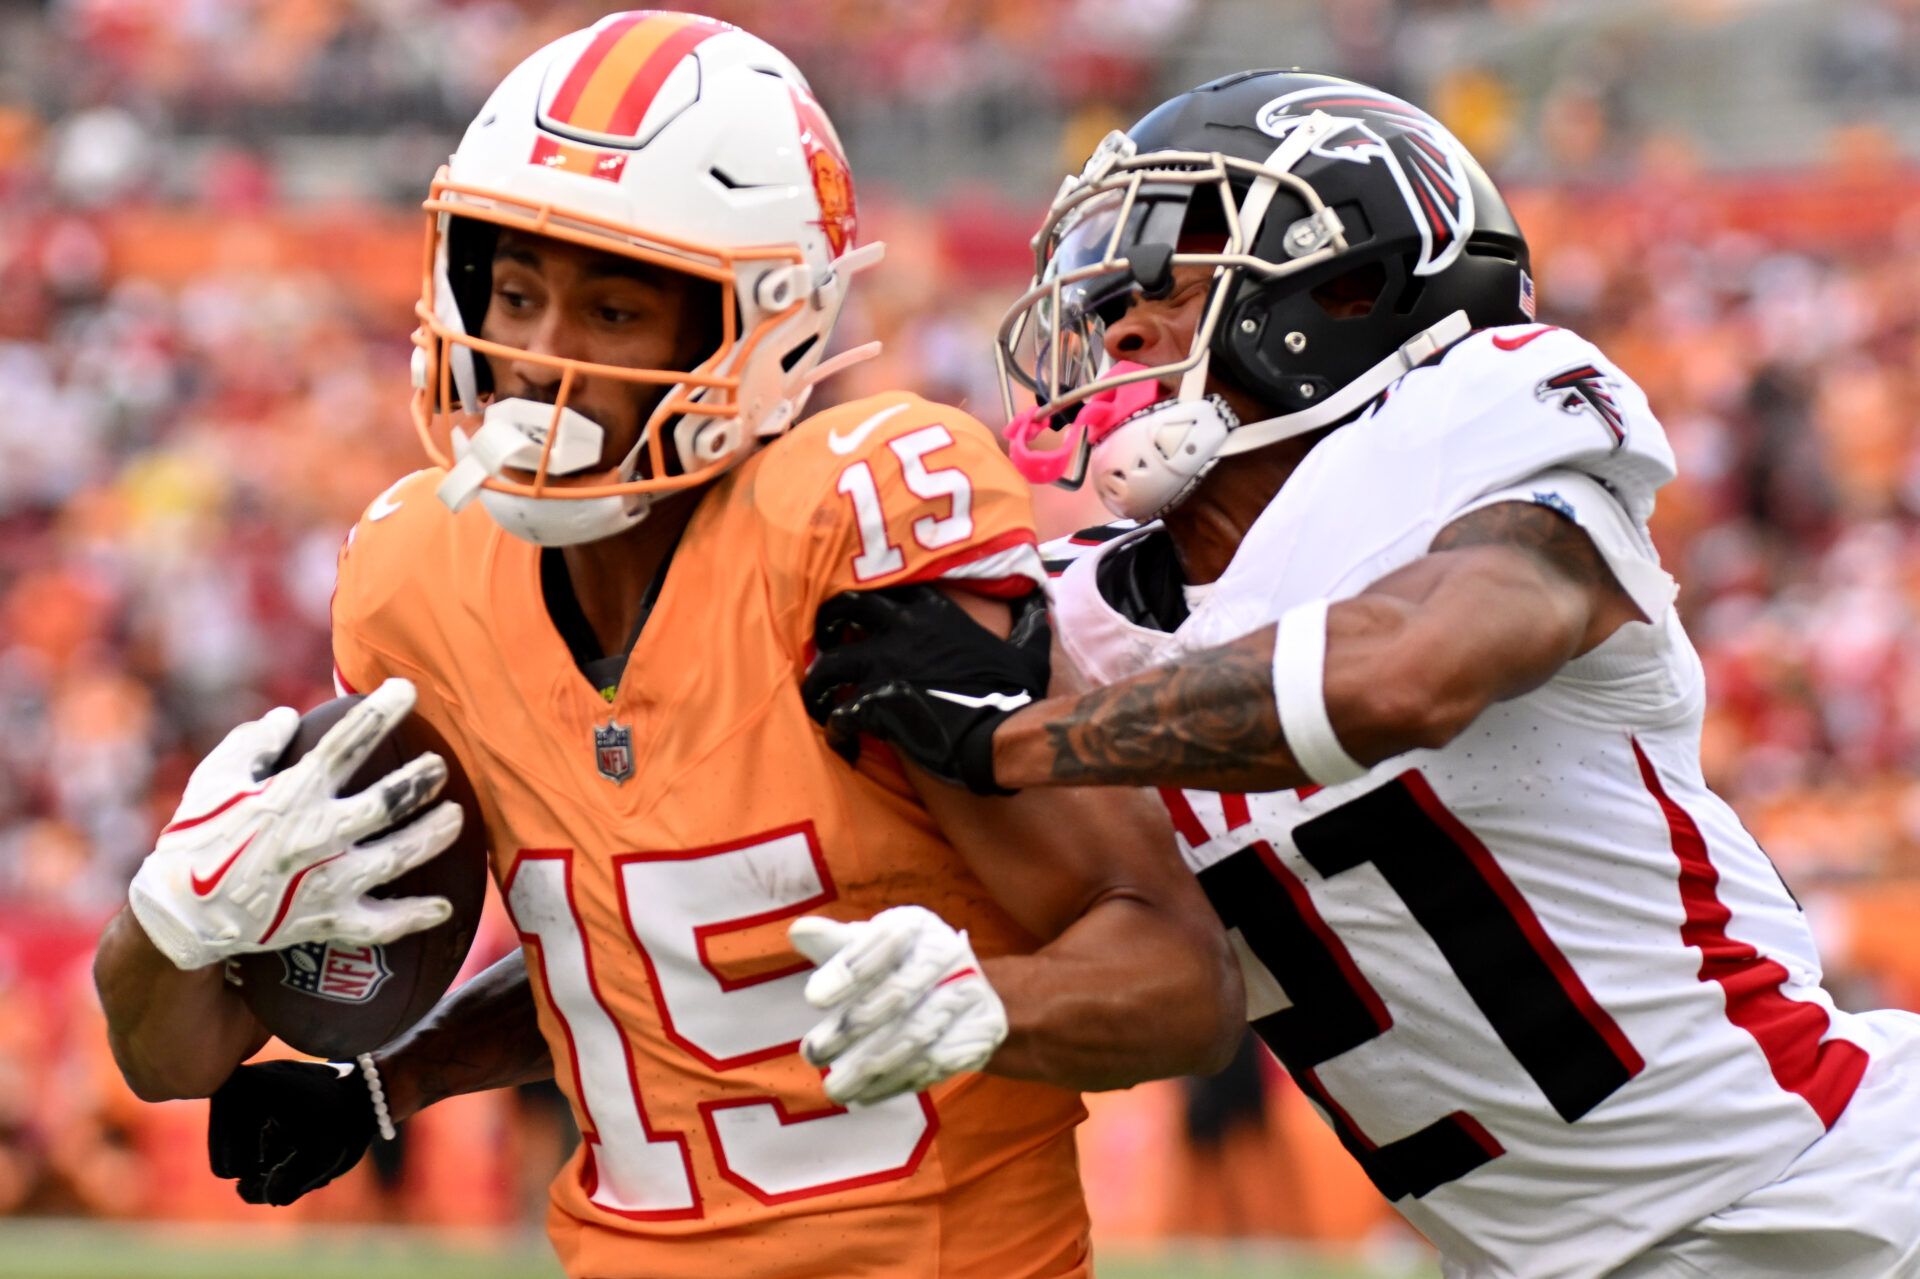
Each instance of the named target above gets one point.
<point>652,851</point>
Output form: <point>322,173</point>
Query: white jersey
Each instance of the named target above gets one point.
<point>1544,985</point>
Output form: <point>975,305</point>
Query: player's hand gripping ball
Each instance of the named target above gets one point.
<point>306,855</point>
<point>338,995</point>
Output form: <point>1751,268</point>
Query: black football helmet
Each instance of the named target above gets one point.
<point>1349,234</point>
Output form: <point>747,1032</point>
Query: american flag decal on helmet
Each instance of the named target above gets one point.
<point>1428,165</point>
<point>1586,389</point>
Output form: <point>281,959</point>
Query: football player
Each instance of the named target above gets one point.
<point>1386,626</point>
<point>603,596</point>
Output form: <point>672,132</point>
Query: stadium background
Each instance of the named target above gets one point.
<point>208,251</point>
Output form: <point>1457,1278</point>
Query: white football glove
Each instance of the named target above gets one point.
<point>249,864</point>
<point>907,1003</point>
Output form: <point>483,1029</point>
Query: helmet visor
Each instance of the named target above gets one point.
<point>1112,250</point>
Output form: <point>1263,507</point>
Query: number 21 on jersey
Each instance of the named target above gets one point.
<point>1568,1045</point>
<point>672,905</point>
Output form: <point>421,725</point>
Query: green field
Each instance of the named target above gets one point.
<point>96,1250</point>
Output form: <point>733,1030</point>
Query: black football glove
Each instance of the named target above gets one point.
<point>286,1127</point>
<point>909,665</point>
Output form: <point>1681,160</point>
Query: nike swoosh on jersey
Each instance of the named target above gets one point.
<point>845,444</point>
<point>201,887</point>
<point>384,505</point>
<point>1514,344</point>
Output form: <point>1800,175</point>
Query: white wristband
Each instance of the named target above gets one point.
<point>1299,693</point>
<point>381,1115</point>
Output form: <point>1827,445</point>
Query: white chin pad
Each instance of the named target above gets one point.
<point>512,436</point>
<point>1153,460</point>
<point>550,521</point>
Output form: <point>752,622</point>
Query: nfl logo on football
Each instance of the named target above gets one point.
<point>333,970</point>
<point>613,751</point>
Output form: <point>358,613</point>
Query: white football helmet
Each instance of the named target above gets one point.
<point>676,140</point>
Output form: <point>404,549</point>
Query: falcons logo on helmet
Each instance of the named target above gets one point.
<point>1427,164</point>
<point>1586,390</point>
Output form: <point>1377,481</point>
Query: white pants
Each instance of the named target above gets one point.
<point>1848,1208</point>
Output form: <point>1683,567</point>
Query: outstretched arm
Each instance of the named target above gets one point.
<point>1507,595</point>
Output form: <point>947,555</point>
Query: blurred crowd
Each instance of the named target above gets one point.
<point>195,406</point>
<point>342,65</point>
<point>236,79</point>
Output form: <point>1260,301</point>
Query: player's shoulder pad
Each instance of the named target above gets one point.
<point>894,438</point>
<point>866,429</point>
<point>1059,554</point>
<point>1506,403</point>
<point>405,538</point>
<point>400,518</point>
<point>894,489</point>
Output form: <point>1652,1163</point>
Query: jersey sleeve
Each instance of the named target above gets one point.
<point>1512,403</point>
<point>1499,410</point>
<point>370,580</point>
<point>1622,542</point>
<point>925,495</point>
<point>356,666</point>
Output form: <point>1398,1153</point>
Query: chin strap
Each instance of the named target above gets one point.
<point>1354,396</point>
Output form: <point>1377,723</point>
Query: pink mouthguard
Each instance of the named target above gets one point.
<point>1096,419</point>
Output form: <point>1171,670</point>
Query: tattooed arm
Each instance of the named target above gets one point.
<point>1506,596</point>
<point>484,1035</point>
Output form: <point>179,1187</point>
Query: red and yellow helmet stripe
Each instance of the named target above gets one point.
<point>611,85</point>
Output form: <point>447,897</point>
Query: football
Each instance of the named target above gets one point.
<point>335,1000</point>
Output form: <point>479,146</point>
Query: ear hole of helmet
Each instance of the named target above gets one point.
<point>791,359</point>
<point>702,326</point>
<point>1354,294</point>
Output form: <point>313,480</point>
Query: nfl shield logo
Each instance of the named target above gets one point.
<point>334,970</point>
<point>613,751</point>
